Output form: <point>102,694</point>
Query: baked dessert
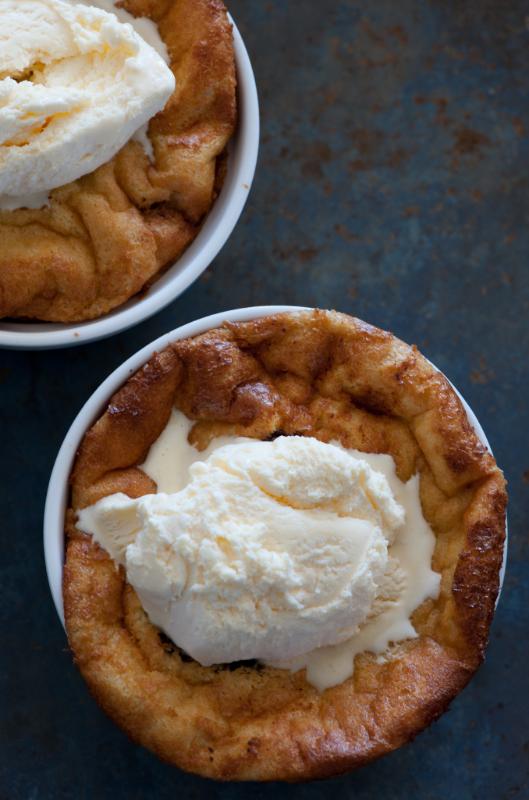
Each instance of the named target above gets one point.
<point>105,237</point>
<point>312,374</point>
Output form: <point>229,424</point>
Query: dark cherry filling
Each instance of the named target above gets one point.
<point>170,647</point>
<point>274,435</point>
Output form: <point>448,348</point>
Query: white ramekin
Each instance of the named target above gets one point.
<point>217,227</point>
<point>57,497</point>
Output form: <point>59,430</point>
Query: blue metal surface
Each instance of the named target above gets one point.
<point>393,184</point>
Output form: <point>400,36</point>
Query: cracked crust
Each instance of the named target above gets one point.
<point>314,373</point>
<point>109,234</point>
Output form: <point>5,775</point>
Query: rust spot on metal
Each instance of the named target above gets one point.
<point>345,233</point>
<point>397,157</point>
<point>398,33</point>
<point>315,156</point>
<point>483,374</point>
<point>469,142</point>
<point>441,117</point>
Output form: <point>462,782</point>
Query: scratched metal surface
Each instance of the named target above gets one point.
<point>392,184</point>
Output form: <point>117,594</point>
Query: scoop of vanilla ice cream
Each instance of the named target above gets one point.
<point>75,85</point>
<point>271,550</point>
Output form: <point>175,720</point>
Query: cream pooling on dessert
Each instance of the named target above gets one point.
<point>75,85</point>
<point>293,551</point>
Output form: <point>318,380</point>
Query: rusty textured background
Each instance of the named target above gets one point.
<point>392,184</point>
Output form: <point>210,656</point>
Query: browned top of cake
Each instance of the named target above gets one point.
<point>108,234</point>
<point>330,376</point>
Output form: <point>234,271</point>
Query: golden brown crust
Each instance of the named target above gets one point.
<point>107,235</point>
<point>327,375</point>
